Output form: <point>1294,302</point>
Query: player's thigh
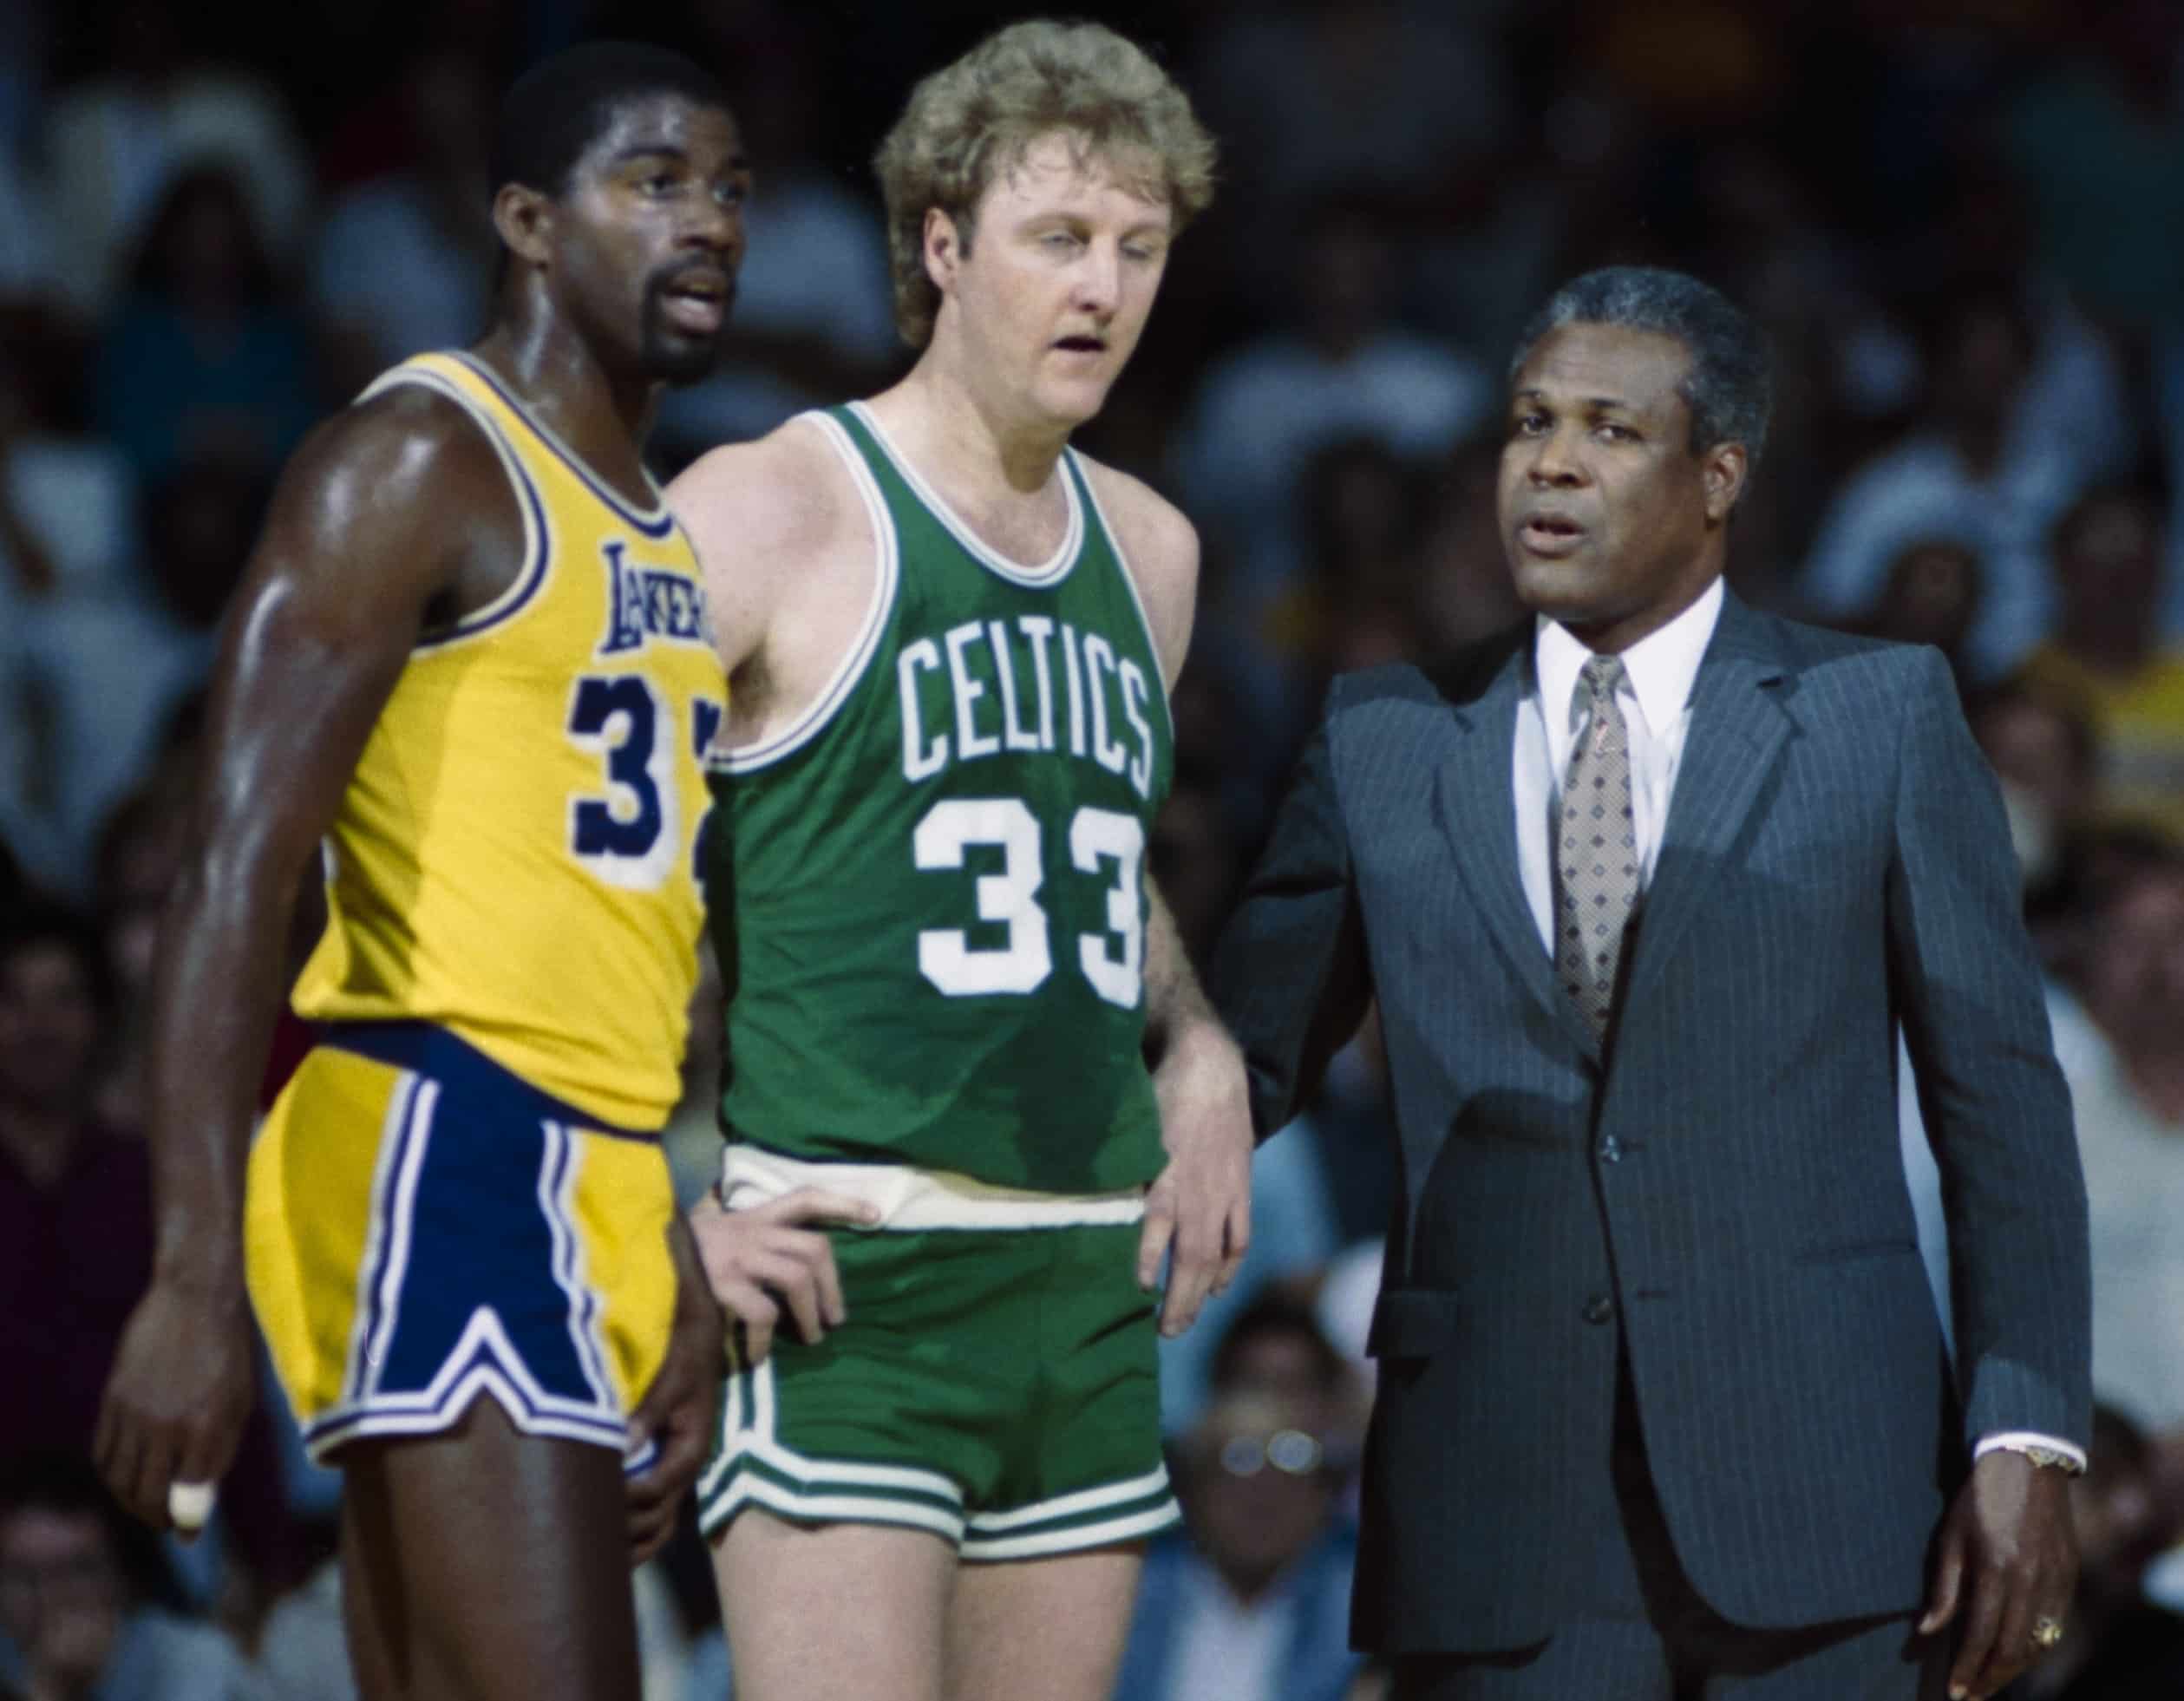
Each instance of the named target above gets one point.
<point>849,1610</point>
<point>483,1563</point>
<point>1042,1629</point>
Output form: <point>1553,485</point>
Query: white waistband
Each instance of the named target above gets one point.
<point>919,1199</point>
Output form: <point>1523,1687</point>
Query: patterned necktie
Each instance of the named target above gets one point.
<point>1597,861</point>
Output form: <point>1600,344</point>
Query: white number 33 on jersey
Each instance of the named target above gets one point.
<point>1113,962</point>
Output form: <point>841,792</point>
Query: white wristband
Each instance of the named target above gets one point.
<point>189,1505</point>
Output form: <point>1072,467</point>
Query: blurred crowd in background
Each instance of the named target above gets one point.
<point>1962,221</point>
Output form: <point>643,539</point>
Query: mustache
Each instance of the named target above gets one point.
<point>711,271</point>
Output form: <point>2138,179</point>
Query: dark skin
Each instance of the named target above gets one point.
<point>1612,525</point>
<point>1615,525</point>
<point>394,519</point>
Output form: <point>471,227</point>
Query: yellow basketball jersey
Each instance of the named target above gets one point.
<point>515,858</point>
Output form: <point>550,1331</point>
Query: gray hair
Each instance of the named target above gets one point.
<point>1730,387</point>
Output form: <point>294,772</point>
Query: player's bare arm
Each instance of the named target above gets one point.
<point>788,553</point>
<point>1159,546</point>
<point>678,1410</point>
<point>1200,1208</point>
<point>393,517</point>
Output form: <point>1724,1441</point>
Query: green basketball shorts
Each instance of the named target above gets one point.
<point>996,1387</point>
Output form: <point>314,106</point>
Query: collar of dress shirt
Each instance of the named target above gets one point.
<point>1661,666</point>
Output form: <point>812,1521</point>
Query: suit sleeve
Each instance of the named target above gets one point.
<point>1998,1112</point>
<point>1289,974</point>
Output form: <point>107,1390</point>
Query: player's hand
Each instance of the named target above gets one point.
<point>178,1396</point>
<point>677,1415</point>
<point>763,1261</point>
<point>1199,1209</point>
<point>2008,1541</point>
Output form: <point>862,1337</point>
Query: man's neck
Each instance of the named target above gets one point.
<point>994,452</point>
<point>562,379</point>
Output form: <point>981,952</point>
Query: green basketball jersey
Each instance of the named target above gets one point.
<point>928,894</point>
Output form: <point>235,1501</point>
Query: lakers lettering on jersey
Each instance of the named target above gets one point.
<point>929,893</point>
<point>513,859</point>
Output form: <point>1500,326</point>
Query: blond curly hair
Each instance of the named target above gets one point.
<point>972,121</point>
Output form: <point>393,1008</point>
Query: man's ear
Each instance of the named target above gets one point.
<point>943,248</point>
<point>525,219</point>
<point>1723,470</point>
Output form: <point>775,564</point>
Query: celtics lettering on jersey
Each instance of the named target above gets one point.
<point>1071,707</point>
<point>930,900</point>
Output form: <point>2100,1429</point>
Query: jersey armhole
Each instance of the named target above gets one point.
<point>537,534</point>
<point>747,758</point>
<point>1130,579</point>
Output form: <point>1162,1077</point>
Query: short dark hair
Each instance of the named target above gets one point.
<point>1275,1312</point>
<point>1730,387</point>
<point>562,105</point>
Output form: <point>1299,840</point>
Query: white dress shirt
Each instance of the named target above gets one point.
<point>1658,672</point>
<point>1655,698</point>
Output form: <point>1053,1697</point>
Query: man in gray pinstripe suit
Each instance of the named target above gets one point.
<point>1644,890</point>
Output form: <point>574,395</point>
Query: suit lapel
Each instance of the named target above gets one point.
<point>1737,730</point>
<point>1478,814</point>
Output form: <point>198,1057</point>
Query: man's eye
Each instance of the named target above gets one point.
<point>1059,239</point>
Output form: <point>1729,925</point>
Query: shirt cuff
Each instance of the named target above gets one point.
<point>2027,1441</point>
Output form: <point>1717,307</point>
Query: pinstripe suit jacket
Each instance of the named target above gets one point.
<point>1721,1191</point>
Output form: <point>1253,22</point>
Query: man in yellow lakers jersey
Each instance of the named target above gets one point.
<point>469,663</point>
<point>951,638</point>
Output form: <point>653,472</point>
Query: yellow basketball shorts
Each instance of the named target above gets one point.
<point>422,1227</point>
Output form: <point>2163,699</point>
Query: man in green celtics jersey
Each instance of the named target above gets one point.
<point>950,640</point>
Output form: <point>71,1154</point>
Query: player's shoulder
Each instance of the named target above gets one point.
<point>1153,533</point>
<point>396,462</point>
<point>788,490</point>
<point>406,432</point>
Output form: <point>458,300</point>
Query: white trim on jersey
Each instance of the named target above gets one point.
<point>1129,578</point>
<point>1049,572</point>
<point>747,758</point>
<point>654,521</point>
<point>538,518</point>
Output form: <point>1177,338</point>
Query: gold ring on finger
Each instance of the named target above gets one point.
<point>2046,1632</point>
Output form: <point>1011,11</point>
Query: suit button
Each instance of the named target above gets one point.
<point>1610,1150</point>
<point>1598,1308</point>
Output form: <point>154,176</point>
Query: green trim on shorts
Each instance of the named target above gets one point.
<point>998,1389</point>
<point>751,1468</point>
